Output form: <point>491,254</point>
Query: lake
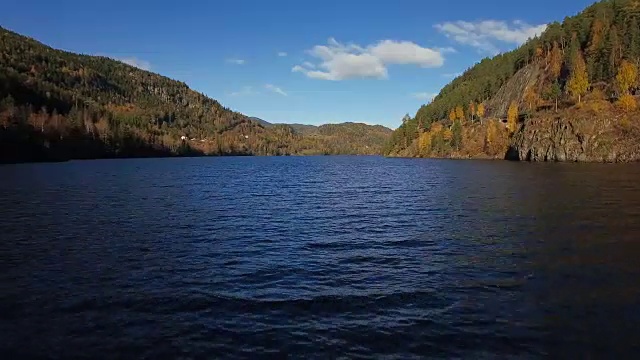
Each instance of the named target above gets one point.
<point>319,257</point>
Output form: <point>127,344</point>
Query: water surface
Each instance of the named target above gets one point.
<point>319,257</point>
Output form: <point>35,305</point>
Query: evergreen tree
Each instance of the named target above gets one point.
<point>632,50</point>
<point>553,92</point>
<point>595,51</point>
<point>8,103</point>
<point>614,49</point>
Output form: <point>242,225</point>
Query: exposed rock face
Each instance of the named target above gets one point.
<point>577,136</point>
<point>513,90</point>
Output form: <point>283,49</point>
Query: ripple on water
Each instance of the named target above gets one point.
<point>318,257</point>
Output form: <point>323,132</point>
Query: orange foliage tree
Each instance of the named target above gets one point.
<point>627,102</point>
<point>627,76</point>
<point>480,111</point>
<point>512,117</point>
<point>555,61</point>
<point>578,83</point>
<point>531,97</point>
<point>459,113</point>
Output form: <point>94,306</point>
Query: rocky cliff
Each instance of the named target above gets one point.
<point>514,90</point>
<point>569,94</point>
<point>589,134</point>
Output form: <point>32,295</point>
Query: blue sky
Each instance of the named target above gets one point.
<point>295,61</point>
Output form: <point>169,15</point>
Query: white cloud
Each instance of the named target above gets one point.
<point>406,52</point>
<point>484,34</point>
<point>347,61</point>
<point>299,68</point>
<point>247,90</point>
<point>140,64</point>
<point>452,75</point>
<point>275,89</point>
<point>237,61</point>
<point>424,96</point>
<point>282,54</point>
<point>449,49</point>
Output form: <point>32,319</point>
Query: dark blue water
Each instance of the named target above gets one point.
<point>319,257</point>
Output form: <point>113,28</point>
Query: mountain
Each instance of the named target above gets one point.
<point>261,122</point>
<point>299,128</point>
<point>569,95</point>
<point>57,105</point>
<point>345,138</point>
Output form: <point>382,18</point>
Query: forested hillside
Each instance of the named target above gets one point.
<point>56,105</point>
<point>578,80</point>
<point>336,139</point>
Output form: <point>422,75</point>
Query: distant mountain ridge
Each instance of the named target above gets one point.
<point>299,128</point>
<point>307,128</point>
<point>57,105</point>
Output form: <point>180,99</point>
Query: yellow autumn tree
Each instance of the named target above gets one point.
<point>627,76</point>
<point>459,113</point>
<point>539,53</point>
<point>424,143</point>
<point>447,134</point>
<point>481,110</point>
<point>531,97</point>
<point>452,115</point>
<point>496,139</point>
<point>578,83</point>
<point>512,117</point>
<point>627,102</point>
<point>491,136</point>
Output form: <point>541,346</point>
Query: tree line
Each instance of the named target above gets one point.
<point>57,105</point>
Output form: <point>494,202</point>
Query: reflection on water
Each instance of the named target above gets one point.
<point>319,257</point>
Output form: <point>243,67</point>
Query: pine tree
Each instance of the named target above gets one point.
<point>614,47</point>
<point>7,103</point>
<point>595,50</point>
<point>632,50</point>
<point>573,51</point>
<point>553,92</point>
